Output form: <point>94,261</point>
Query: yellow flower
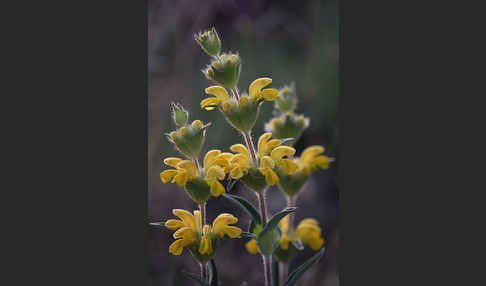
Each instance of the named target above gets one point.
<point>270,157</point>
<point>256,93</point>
<point>190,232</point>
<point>308,231</point>
<point>215,166</point>
<point>310,161</point>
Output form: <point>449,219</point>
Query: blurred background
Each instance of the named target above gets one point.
<point>286,40</point>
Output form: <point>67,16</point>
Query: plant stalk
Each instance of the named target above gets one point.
<point>267,266</point>
<point>204,271</point>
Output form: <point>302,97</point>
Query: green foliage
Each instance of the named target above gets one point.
<point>294,276</point>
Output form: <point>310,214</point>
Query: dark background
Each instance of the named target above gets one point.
<point>285,40</point>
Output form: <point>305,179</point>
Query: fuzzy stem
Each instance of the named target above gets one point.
<point>283,271</point>
<point>291,201</point>
<point>204,271</point>
<point>267,267</point>
<point>202,209</point>
<point>261,204</point>
<point>235,93</point>
<point>250,146</point>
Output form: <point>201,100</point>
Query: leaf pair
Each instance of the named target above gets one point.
<point>267,237</point>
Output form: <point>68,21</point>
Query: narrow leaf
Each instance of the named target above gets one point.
<point>160,223</point>
<point>248,234</point>
<point>213,274</point>
<point>294,276</point>
<point>195,277</point>
<point>247,206</point>
<point>272,224</point>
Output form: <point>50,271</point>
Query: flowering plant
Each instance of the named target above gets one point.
<point>271,163</point>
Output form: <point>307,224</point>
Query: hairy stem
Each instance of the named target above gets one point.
<point>250,146</point>
<point>261,204</point>
<point>204,271</point>
<point>267,266</point>
<point>202,210</point>
<point>283,271</point>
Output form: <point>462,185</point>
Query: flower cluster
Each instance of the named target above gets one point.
<point>271,163</point>
<point>200,183</point>
<point>202,240</point>
<point>309,161</point>
<point>269,158</point>
<point>240,112</point>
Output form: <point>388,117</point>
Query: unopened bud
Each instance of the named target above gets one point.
<point>209,41</point>
<point>179,114</point>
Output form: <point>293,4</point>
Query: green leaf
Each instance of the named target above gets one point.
<point>275,273</point>
<point>298,244</point>
<point>160,223</point>
<point>255,228</point>
<point>195,277</point>
<point>294,276</point>
<point>213,274</point>
<point>247,206</point>
<point>272,224</point>
<point>268,239</point>
<point>248,234</point>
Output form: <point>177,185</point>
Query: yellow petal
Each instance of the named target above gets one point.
<point>174,224</point>
<point>310,152</point>
<point>205,247</point>
<point>281,151</point>
<point>257,85</point>
<point>186,217</point>
<point>316,243</point>
<point>284,242</point>
<point>237,172</point>
<point>188,166</point>
<point>287,166</point>
<point>239,148</point>
<point>270,177</point>
<point>167,175</point>
<point>251,246</point>
<point>321,162</point>
<point>267,162</point>
<point>240,160</point>
<point>284,224</point>
<point>181,178</point>
<point>196,124</point>
<point>269,94</point>
<point>262,141</point>
<point>197,220</point>
<point>221,226</point>
<point>271,145</point>
<point>172,161</point>
<point>215,172</point>
<point>185,232</point>
<point>177,246</point>
<point>205,103</point>
<point>209,157</point>
<point>216,188</point>
<point>218,91</point>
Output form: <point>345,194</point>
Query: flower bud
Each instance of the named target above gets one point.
<point>189,138</point>
<point>287,99</point>
<point>288,125</point>
<point>179,114</point>
<point>225,70</point>
<point>209,41</point>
